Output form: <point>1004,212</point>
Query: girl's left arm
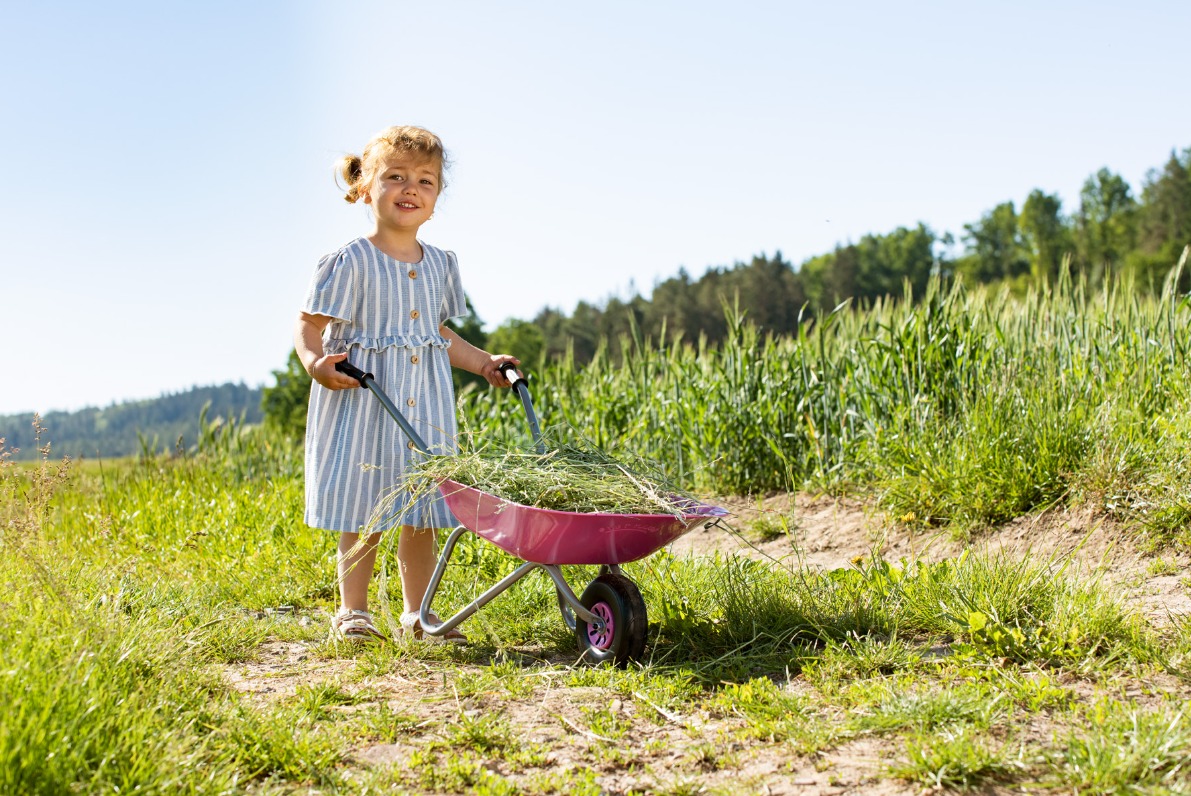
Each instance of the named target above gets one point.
<point>465,356</point>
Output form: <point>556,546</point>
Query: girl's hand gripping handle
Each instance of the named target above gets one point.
<point>328,371</point>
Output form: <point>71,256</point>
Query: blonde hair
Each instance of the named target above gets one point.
<point>358,171</point>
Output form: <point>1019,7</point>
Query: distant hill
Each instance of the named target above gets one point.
<point>112,430</point>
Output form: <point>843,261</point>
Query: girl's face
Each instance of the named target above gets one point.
<point>403,192</point>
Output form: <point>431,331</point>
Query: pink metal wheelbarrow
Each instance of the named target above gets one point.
<point>609,620</point>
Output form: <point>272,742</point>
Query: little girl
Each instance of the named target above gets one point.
<point>383,300</point>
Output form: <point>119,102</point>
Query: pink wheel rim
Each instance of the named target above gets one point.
<point>602,639</point>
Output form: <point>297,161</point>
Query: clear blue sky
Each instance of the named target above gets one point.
<point>167,184</point>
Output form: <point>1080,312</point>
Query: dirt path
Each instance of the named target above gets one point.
<point>643,749</point>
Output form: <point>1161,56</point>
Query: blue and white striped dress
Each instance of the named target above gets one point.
<point>386,317</point>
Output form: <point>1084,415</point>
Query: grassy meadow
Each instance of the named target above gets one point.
<point>164,618</point>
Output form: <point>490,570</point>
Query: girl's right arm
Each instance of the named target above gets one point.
<point>308,341</point>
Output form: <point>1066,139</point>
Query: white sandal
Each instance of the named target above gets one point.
<point>354,625</point>
<point>411,625</point>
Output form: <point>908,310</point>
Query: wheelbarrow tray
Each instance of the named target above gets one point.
<point>544,536</point>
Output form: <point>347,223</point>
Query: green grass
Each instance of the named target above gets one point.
<point>953,759</point>
<point>152,605</point>
<point>127,594</point>
<point>1125,750</point>
<point>900,710</point>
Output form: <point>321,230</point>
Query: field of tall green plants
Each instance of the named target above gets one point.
<point>966,408</point>
<point>163,620</point>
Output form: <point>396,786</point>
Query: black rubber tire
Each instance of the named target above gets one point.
<point>630,622</point>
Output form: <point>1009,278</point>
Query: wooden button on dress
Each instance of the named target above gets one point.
<point>410,445</point>
<point>414,314</point>
<point>414,359</point>
<point>413,274</point>
<point>410,402</point>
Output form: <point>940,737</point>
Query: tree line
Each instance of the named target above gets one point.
<point>166,423</point>
<point>1113,229</point>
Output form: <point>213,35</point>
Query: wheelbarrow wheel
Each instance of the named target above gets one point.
<point>616,600</point>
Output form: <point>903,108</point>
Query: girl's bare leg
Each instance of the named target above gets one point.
<point>355,571</point>
<point>416,559</point>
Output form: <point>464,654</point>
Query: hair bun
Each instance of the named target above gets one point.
<point>351,168</point>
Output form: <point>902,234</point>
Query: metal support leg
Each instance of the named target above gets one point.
<point>567,594</point>
<point>440,628</point>
<point>568,616</point>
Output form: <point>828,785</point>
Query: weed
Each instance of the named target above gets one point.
<point>385,725</point>
<point>314,699</point>
<point>775,715</point>
<point>486,732</point>
<point>681,787</point>
<point>707,756</point>
<point>576,782</point>
<point>456,773</point>
<point>664,687</point>
<point>1033,691</point>
<point>770,524</point>
<point>859,658</point>
<point>923,711</point>
<point>267,746</point>
<point>1160,566</point>
<point>952,759</point>
<point>1125,749</point>
<point>606,723</point>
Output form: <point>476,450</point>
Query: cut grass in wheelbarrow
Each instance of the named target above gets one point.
<point>581,506</point>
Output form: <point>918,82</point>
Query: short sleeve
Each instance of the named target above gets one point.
<point>331,287</point>
<point>454,303</point>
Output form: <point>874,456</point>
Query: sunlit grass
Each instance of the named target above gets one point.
<point>123,591</point>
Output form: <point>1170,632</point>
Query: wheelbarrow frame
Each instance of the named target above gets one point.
<point>569,604</point>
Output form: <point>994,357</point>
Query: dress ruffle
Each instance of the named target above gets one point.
<point>339,345</point>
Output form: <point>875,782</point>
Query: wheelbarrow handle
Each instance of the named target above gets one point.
<point>368,381</point>
<point>521,387</point>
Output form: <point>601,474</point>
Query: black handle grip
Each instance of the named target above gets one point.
<point>348,369</point>
<point>505,368</point>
